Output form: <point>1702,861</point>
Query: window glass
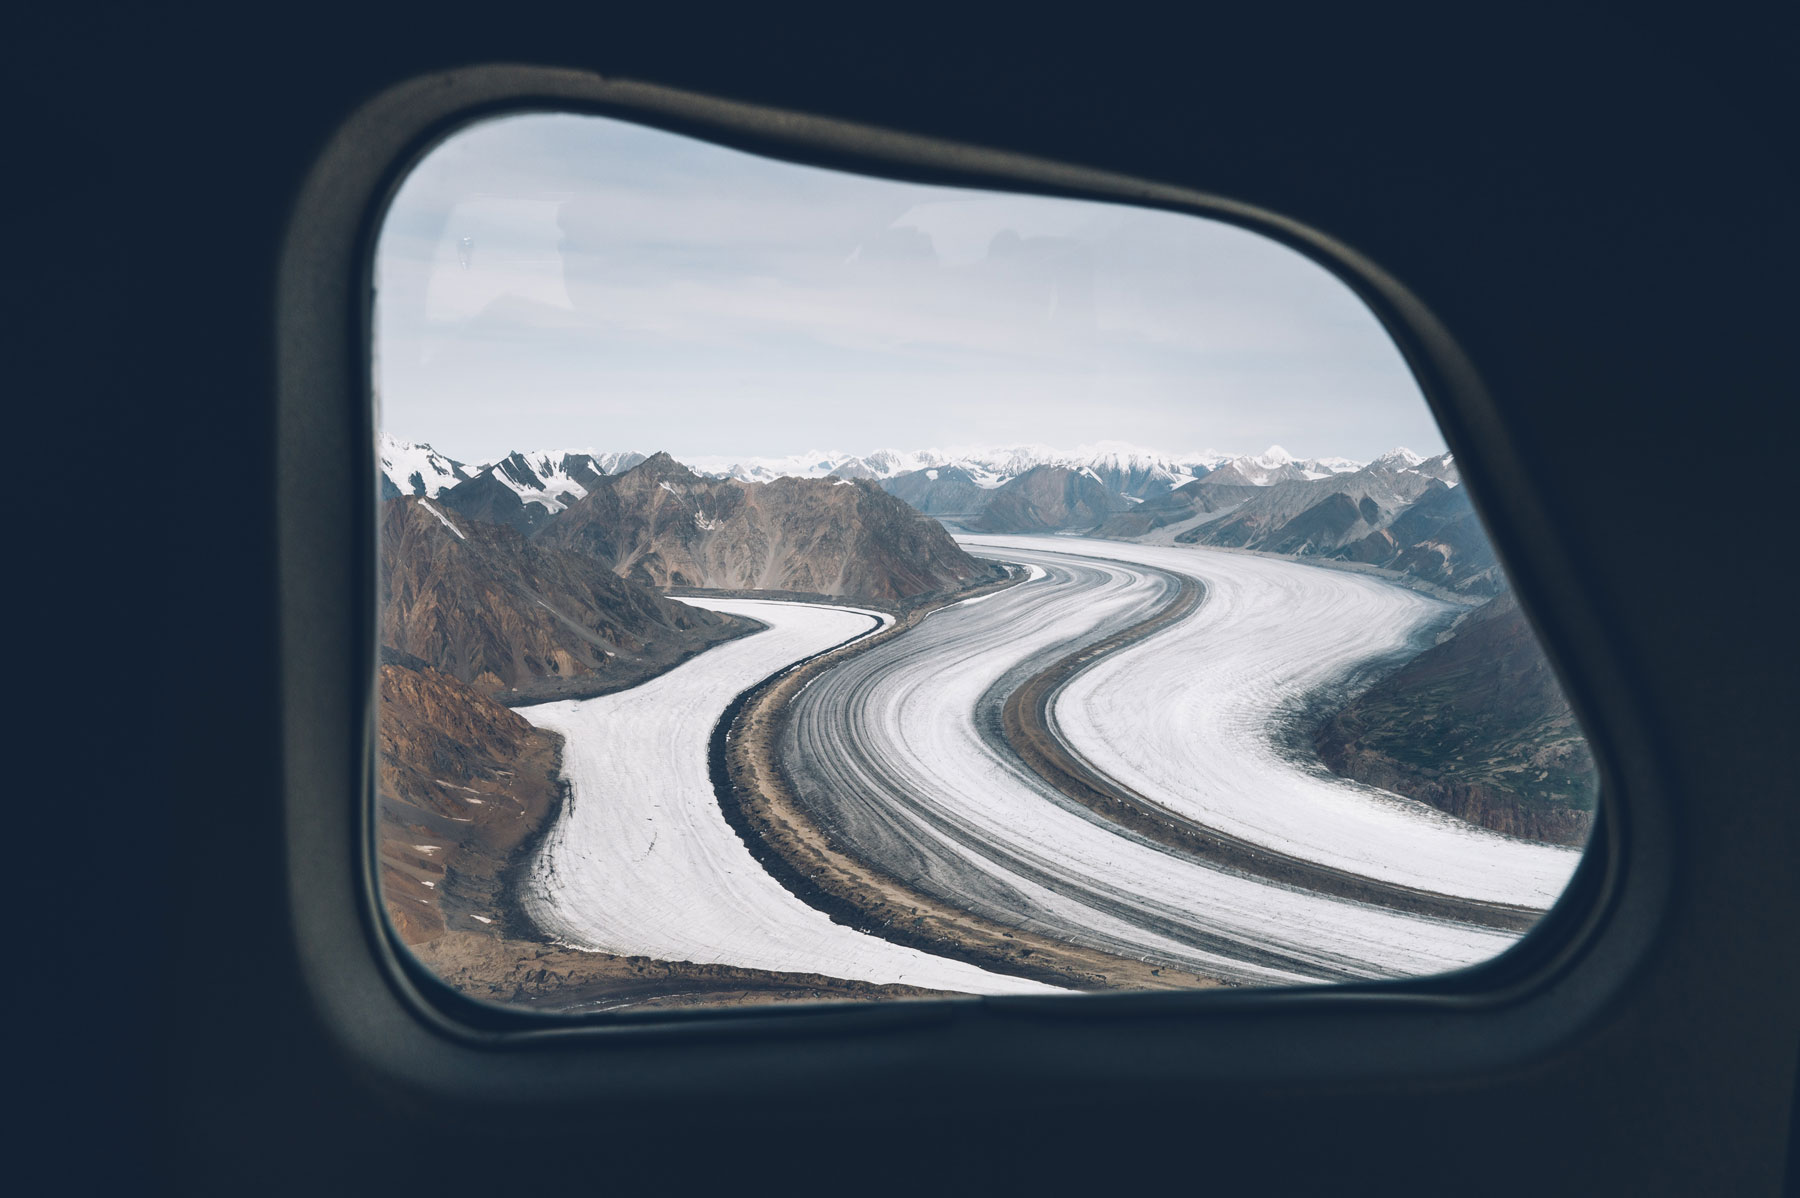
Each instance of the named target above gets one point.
<point>799,585</point>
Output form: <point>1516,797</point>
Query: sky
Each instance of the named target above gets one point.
<point>555,281</point>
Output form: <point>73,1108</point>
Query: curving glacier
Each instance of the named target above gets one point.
<point>642,861</point>
<point>1187,718</point>
<point>896,750</point>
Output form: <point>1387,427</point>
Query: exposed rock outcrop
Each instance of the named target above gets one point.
<point>1476,726</point>
<point>1438,539</point>
<point>1183,505</point>
<point>461,783</point>
<point>940,491</point>
<point>1049,499</point>
<point>482,604</point>
<point>1313,515</point>
<point>486,498</point>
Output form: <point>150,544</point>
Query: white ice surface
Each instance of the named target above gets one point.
<point>644,863</point>
<point>978,821</point>
<point>1184,718</point>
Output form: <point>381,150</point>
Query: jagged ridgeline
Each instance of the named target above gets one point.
<point>663,525</point>
<point>491,608</point>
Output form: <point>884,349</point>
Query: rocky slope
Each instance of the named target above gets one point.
<point>482,604</point>
<point>660,524</point>
<point>1476,726</point>
<point>461,783</point>
<point>1306,516</point>
<point>939,491</point>
<point>1188,505</point>
<point>1402,518</point>
<point>488,498</point>
<point>1438,539</point>
<point>1049,499</point>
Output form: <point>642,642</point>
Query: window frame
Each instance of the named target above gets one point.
<point>415,1031</point>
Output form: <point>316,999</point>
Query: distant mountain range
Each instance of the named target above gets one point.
<point>1402,511</point>
<point>556,477</point>
<point>552,478</point>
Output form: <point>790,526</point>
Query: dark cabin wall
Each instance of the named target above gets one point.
<point>1598,209</point>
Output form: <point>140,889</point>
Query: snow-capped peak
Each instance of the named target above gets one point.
<point>558,477</point>
<point>1399,458</point>
<point>417,469</point>
<point>551,477</point>
<point>1272,457</point>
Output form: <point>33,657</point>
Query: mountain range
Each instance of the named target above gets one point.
<point>486,606</point>
<point>1401,511</point>
<point>550,477</point>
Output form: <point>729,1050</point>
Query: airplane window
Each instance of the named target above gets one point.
<point>800,585</point>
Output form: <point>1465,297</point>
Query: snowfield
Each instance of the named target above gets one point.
<point>897,751</point>
<point>1186,717</point>
<point>643,862</point>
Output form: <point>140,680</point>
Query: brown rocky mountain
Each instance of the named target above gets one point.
<point>1313,515</point>
<point>1048,499</point>
<point>939,491</point>
<point>486,498</point>
<point>1408,519</point>
<point>1439,539</point>
<point>461,782</point>
<point>482,604</point>
<point>661,524</point>
<point>1184,505</point>
<point>1477,726</point>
